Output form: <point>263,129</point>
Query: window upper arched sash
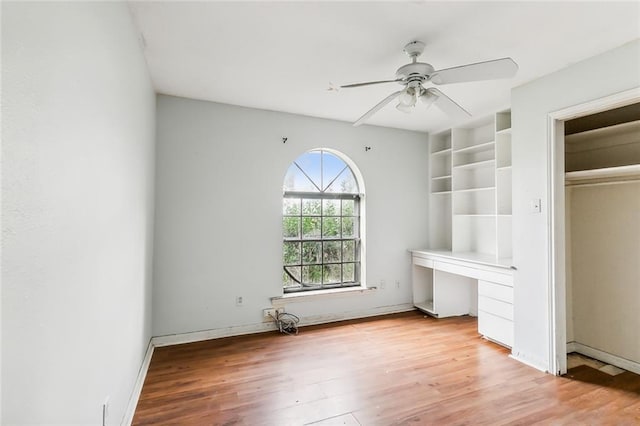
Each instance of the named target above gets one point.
<point>320,171</point>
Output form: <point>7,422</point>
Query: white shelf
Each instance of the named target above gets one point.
<point>441,193</point>
<point>476,165</point>
<point>426,306</point>
<point>441,177</point>
<point>441,152</point>
<point>487,146</point>
<point>487,188</point>
<point>474,215</point>
<point>606,173</point>
<point>504,131</point>
<point>503,169</point>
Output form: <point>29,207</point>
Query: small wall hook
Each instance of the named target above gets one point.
<point>284,140</point>
<point>367,148</point>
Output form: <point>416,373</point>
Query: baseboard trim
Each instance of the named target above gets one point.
<point>217,333</point>
<point>529,363</point>
<point>137,387</point>
<point>383,310</point>
<point>625,364</point>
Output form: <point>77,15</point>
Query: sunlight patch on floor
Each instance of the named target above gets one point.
<point>575,360</point>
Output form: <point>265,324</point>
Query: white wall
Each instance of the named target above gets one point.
<point>77,172</point>
<point>220,170</point>
<point>605,74</point>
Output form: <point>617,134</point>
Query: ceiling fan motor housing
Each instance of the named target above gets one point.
<point>417,71</point>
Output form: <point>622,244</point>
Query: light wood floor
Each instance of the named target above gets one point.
<point>396,369</point>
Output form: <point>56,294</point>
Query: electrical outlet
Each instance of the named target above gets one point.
<point>383,284</point>
<point>271,313</point>
<point>239,300</point>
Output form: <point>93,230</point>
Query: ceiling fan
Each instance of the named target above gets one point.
<point>415,74</point>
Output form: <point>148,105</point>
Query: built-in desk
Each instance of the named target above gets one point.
<point>449,283</point>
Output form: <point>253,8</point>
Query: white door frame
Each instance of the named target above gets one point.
<point>556,201</point>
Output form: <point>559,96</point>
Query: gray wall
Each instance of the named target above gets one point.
<point>220,171</point>
<point>78,122</point>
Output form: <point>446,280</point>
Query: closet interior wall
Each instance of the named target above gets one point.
<point>603,243</point>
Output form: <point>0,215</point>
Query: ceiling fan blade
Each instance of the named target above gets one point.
<point>489,70</point>
<point>376,108</point>
<point>448,105</point>
<point>369,83</point>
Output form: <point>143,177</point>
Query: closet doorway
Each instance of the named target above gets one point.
<point>595,232</point>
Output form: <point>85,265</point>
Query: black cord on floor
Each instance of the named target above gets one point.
<point>287,323</point>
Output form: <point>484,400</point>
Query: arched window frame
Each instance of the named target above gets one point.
<point>297,276</point>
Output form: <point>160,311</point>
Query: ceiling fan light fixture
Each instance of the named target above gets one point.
<point>407,97</point>
<point>428,98</point>
<point>404,108</point>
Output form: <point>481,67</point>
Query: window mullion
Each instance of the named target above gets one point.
<point>321,234</point>
<point>325,195</point>
<point>308,177</point>
<point>335,178</point>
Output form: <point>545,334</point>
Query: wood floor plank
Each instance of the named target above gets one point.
<point>395,369</point>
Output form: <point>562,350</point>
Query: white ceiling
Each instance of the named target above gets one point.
<point>281,56</point>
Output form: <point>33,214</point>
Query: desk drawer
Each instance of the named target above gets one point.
<point>495,307</point>
<point>478,273</point>
<point>495,328</point>
<point>495,291</point>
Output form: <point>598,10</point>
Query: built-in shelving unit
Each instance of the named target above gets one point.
<point>441,189</point>
<point>471,188</point>
<point>467,268</point>
<point>503,185</point>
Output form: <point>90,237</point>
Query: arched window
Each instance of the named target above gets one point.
<point>321,224</point>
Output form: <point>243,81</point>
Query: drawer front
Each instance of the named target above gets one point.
<point>419,261</point>
<point>495,328</point>
<point>475,272</point>
<point>506,279</point>
<point>456,269</point>
<point>495,307</point>
<point>495,291</point>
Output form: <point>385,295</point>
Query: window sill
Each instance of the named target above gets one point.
<point>320,294</point>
